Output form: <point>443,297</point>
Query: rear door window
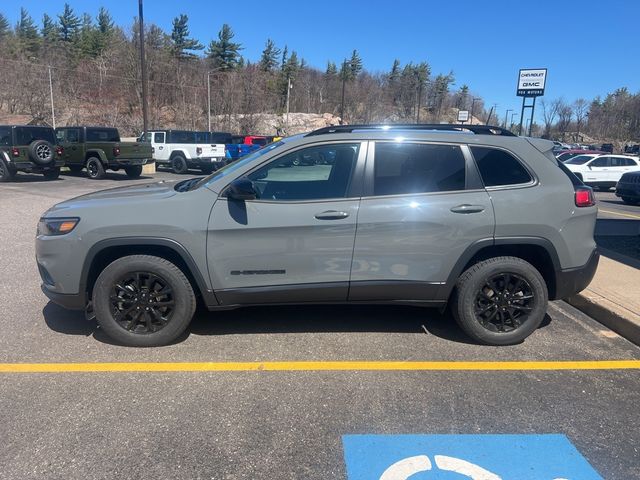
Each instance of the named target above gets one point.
<point>498,167</point>
<point>72,135</point>
<point>158,137</point>
<point>601,162</point>
<point>405,168</point>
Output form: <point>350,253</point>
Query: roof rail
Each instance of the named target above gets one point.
<point>477,129</point>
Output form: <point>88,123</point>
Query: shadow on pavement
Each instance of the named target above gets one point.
<point>33,178</point>
<point>289,319</point>
<point>109,176</point>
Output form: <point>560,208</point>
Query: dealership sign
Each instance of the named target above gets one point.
<point>531,82</point>
<point>463,116</point>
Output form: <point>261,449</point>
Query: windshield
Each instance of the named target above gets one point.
<point>579,160</point>
<point>232,167</point>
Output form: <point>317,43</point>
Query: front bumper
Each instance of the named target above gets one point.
<point>574,280</point>
<point>76,301</point>
<point>631,190</point>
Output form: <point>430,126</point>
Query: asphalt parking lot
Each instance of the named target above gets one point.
<point>270,392</point>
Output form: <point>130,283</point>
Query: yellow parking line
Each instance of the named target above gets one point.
<point>630,215</point>
<point>318,366</point>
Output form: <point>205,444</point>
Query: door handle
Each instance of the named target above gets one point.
<point>331,215</point>
<point>466,208</point>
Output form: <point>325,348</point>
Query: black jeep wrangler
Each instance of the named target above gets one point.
<point>29,149</point>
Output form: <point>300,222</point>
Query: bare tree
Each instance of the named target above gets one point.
<point>565,114</point>
<point>580,109</point>
<point>549,113</point>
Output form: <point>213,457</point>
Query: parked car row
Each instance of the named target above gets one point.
<point>39,149</point>
<point>560,147</point>
<point>44,150</point>
<point>602,171</point>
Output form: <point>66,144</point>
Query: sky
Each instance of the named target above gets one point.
<point>589,47</point>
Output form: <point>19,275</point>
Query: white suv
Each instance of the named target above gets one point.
<point>602,171</point>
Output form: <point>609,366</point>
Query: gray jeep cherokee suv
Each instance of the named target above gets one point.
<point>472,217</point>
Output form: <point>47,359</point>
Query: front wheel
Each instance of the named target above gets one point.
<point>52,174</point>
<point>6,172</point>
<point>134,171</point>
<point>500,301</point>
<point>143,301</point>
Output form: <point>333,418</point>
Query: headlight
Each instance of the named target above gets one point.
<point>56,226</point>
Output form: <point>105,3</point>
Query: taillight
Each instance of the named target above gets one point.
<point>15,152</point>
<point>59,151</point>
<point>198,150</point>
<point>116,151</point>
<point>584,197</point>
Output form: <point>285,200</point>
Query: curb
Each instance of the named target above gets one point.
<point>611,315</point>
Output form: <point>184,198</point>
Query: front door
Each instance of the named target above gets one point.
<point>72,144</point>
<point>423,206</point>
<point>598,171</point>
<point>294,242</point>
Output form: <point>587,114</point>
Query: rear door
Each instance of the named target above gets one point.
<point>294,243</point>
<point>424,205</point>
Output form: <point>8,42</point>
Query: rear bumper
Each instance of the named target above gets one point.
<point>207,162</point>
<point>574,280</point>
<point>75,301</point>
<point>128,162</point>
<point>33,167</point>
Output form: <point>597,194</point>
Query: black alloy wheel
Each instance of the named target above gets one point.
<point>504,302</point>
<point>142,302</point>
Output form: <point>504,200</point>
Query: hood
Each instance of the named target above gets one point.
<point>114,196</point>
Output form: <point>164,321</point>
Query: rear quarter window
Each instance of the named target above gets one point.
<point>5,136</point>
<point>26,135</point>
<point>102,135</point>
<point>499,168</point>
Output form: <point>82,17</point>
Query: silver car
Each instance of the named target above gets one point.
<point>472,217</point>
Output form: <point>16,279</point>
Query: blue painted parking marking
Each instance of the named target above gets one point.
<point>458,457</point>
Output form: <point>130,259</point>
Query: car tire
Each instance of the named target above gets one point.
<point>138,323</point>
<point>630,201</point>
<point>41,152</point>
<point>134,171</point>
<point>500,301</point>
<point>95,169</point>
<point>179,164</point>
<point>6,172</point>
<point>52,174</point>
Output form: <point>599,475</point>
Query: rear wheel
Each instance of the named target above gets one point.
<point>179,164</point>
<point>143,301</point>
<point>134,171</point>
<point>6,172</point>
<point>95,170</point>
<point>500,301</point>
<point>52,174</point>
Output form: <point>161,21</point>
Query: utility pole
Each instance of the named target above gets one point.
<point>209,101</point>
<point>143,68</point>
<point>506,114</point>
<point>344,80</point>
<point>511,122</point>
<point>288,96</point>
<point>473,104</point>
<point>53,112</point>
<point>491,113</point>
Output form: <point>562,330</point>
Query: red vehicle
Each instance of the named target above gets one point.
<point>256,140</point>
<point>569,154</point>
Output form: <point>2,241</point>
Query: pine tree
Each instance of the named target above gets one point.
<point>269,58</point>
<point>69,24</point>
<point>4,26</point>
<point>27,32</point>
<point>223,52</point>
<point>332,70</point>
<point>283,60</point>
<point>355,65</point>
<point>292,66</point>
<point>395,71</point>
<point>103,31</point>
<point>182,45</point>
<point>49,31</point>
<point>86,37</point>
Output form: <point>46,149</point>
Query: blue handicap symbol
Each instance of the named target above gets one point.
<point>459,457</point>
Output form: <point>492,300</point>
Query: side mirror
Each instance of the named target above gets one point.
<point>241,189</point>
<point>590,167</point>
